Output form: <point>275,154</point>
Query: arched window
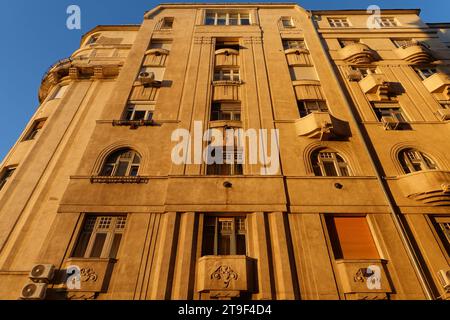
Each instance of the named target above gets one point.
<point>413,160</point>
<point>122,163</point>
<point>327,163</point>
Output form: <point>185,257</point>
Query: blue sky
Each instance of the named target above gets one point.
<point>34,36</point>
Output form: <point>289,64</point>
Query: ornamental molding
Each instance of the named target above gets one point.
<point>225,274</point>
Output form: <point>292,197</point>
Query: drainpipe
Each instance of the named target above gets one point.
<point>397,222</point>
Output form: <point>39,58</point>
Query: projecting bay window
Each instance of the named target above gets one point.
<point>6,175</point>
<point>227,18</point>
<point>167,23</point>
<point>305,107</point>
<point>226,111</point>
<point>329,164</point>
<point>351,238</point>
<point>287,22</point>
<point>100,237</point>
<point>223,236</point>
<point>365,71</point>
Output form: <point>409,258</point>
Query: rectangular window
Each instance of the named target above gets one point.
<point>167,23</point>
<point>226,74</point>
<point>60,92</point>
<point>223,236</point>
<point>442,225</point>
<point>306,107</point>
<point>351,238</point>
<point>225,111</point>
<point>6,175</point>
<point>425,73</point>
<point>139,112</point>
<point>100,237</point>
<point>161,44</point>
<point>287,22</point>
<point>37,126</point>
<point>223,162</point>
<point>391,111</point>
<point>403,42</point>
<point>227,18</point>
<point>339,22</point>
<point>345,42</point>
<point>445,104</point>
<point>386,22</point>
<point>294,44</point>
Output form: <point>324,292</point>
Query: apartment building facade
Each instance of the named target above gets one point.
<point>354,204</point>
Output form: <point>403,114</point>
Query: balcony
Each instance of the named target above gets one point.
<point>377,87</point>
<point>358,53</point>
<point>438,83</point>
<point>227,57</point>
<point>363,279</point>
<point>94,277</point>
<point>429,187</point>
<point>298,57</point>
<point>225,276</point>
<point>226,90</point>
<point>322,126</point>
<point>415,53</point>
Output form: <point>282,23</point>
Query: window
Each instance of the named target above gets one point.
<point>294,44</point>
<point>225,111</point>
<point>227,18</point>
<point>413,160</point>
<point>365,71</point>
<point>6,175</point>
<point>386,22</point>
<point>306,107</point>
<point>122,163</point>
<point>442,225</point>
<point>339,22</point>
<point>167,23</point>
<point>161,44</point>
<point>390,111</point>
<point>37,126</point>
<point>100,237</point>
<point>139,112</point>
<point>351,238</point>
<point>223,162</point>
<point>226,75</point>
<point>60,92</point>
<point>287,22</point>
<point>403,42</point>
<point>224,236</point>
<point>329,164</point>
<point>346,42</point>
<point>93,39</point>
<point>445,104</point>
<point>425,73</point>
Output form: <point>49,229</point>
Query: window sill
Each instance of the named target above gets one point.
<point>134,124</point>
<point>121,180</point>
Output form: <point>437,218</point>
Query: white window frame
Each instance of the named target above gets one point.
<point>238,226</point>
<point>311,106</point>
<point>395,111</point>
<point>387,22</point>
<point>425,73</point>
<point>339,162</point>
<point>413,157</point>
<point>339,22</point>
<point>289,20</point>
<point>131,163</point>
<point>234,74</point>
<point>133,108</point>
<point>403,42</point>
<point>240,18</point>
<point>294,44</point>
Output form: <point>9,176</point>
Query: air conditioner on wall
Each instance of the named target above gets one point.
<point>354,75</point>
<point>34,291</point>
<point>390,123</point>
<point>42,273</point>
<point>148,78</point>
<point>444,279</point>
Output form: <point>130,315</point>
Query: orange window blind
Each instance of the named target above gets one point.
<point>351,238</point>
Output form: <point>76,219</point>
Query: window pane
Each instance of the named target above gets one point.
<point>240,245</point>
<point>221,19</point>
<point>134,171</point>
<point>224,245</point>
<point>233,20</point>
<point>139,115</point>
<point>351,238</point>
<point>210,17</point>
<point>115,245</point>
<point>121,169</point>
<point>107,170</point>
<point>245,19</point>
<point>82,244</point>
<point>208,236</point>
<point>330,169</point>
<point>97,248</point>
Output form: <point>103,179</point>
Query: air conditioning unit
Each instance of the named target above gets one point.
<point>34,291</point>
<point>146,77</point>
<point>444,279</point>
<point>354,75</point>
<point>42,273</point>
<point>444,114</point>
<point>390,123</point>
